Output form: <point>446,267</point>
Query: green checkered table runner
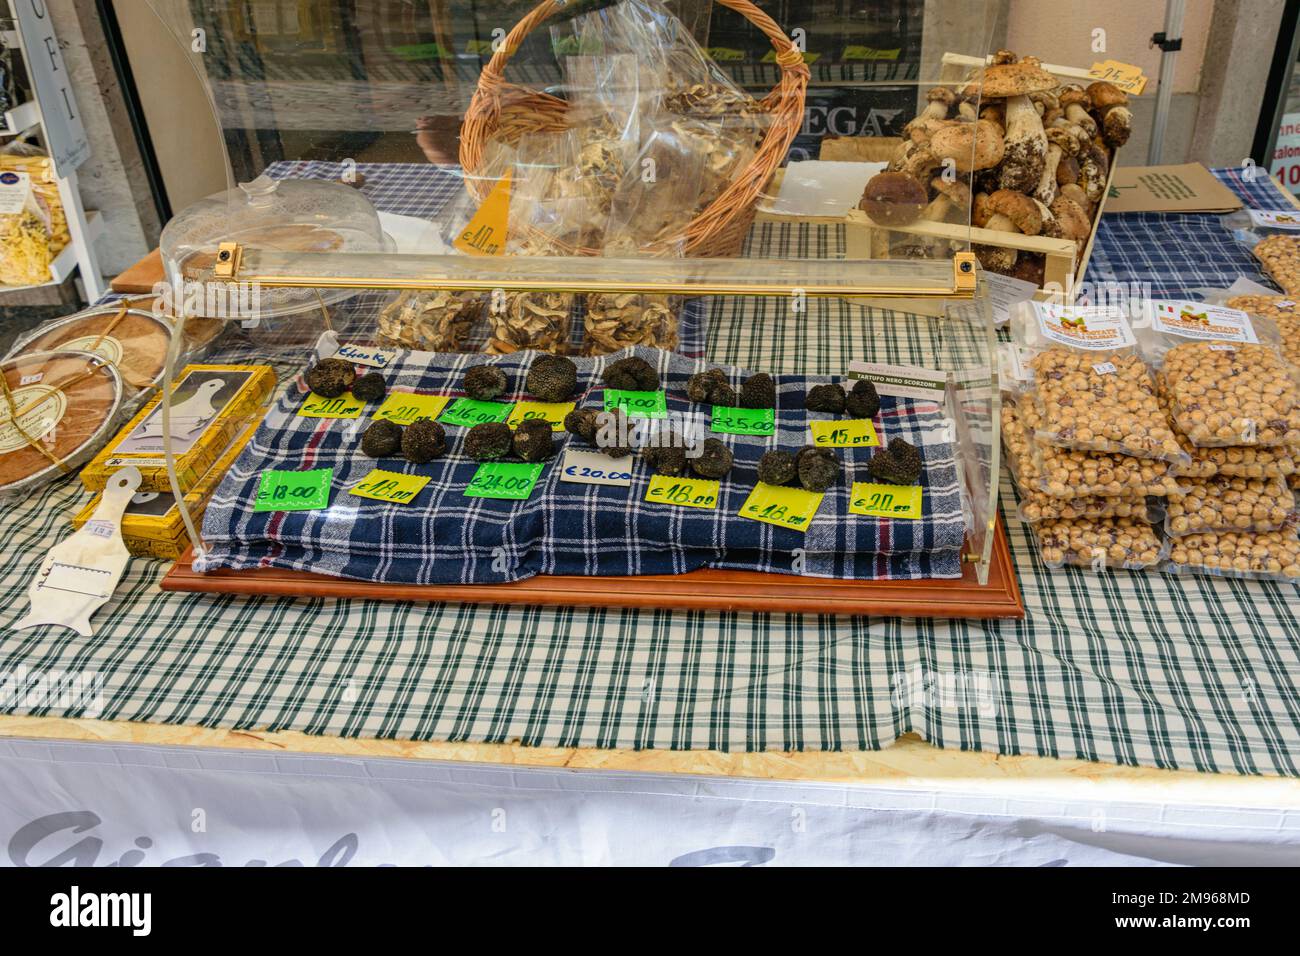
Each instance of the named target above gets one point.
<point>1133,668</point>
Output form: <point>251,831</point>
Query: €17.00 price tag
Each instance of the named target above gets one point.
<point>294,490</point>
<point>393,487</point>
<point>504,479</point>
<point>791,508</point>
<point>345,406</point>
<point>467,412</point>
<point>849,433</point>
<point>636,404</point>
<point>550,412</point>
<point>744,421</point>
<point>402,408</point>
<point>684,492</point>
<point>885,501</point>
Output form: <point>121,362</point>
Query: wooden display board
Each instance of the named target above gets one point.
<point>705,589</point>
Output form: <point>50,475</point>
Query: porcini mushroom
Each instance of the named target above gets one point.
<point>1008,211</point>
<point>939,101</point>
<point>948,196</point>
<point>1093,168</point>
<point>1025,142</point>
<point>1110,106</point>
<point>1075,102</point>
<point>1069,221</point>
<point>1059,144</point>
<point>969,146</point>
<point>893,199</point>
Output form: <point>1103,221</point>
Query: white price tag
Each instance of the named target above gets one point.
<point>1199,320</point>
<point>1104,368</point>
<point>1094,327</point>
<point>593,468</point>
<point>365,355</point>
<point>14,190</point>
<point>1275,220</point>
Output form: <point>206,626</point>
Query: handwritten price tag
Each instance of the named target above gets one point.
<point>365,355</point>
<point>345,406</point>
<point>744,421</point>
<point>885,501</point>
<point>294,490</point>
<point>466,412</point>
<point>593,468</point>
<point>393,487</point>
<point>504,479</point>
<point>550,412</point>
<point>1126,76</point>
<point>404,407</point>
<point>852,433</point>
<point>791,508</point>
<point>684,492</point>
<point>636,404</point>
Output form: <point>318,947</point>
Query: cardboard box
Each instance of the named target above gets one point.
<point>1180,189</point>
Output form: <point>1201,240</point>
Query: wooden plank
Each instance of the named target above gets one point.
<point>705,589</point>
<point>140,278</point>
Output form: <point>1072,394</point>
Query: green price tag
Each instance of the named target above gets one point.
<point>294,490</point>
<point>744,421</point>
<point>791,508</point>
<point>684,492</point>
<point>847,433</point>
<point>406,407</point>
<point>636,404</point>
<point>504,479</point>
<point>394,487</point>
<point>467,412</point>
<point>885,501</point>
<point>345,406</point>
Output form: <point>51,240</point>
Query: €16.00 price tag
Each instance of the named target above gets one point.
<point>294,490</point>
<point>393,487</point>
<point>791,508</point>
<point>850,433</point>
<point>504,479</point>
<point>467,412</point>
<point>345,406</point>
<point>885,501</point>
<point>550,412</point>
<point>744,421</point>
<point>593,468</point>
<point>403,408</point>
<point>684,492</point>
<point>636,404</point>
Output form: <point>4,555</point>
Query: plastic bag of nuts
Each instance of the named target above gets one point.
<point>1230,504</point>
<point>1279,254</point>
<point>615,320</point>
<point>1268,555</point>
<point>1231,394</point>
<point>1099,543</point>
<point>1282,311</point>
<point>434,321</point>
<point>1236,461</point>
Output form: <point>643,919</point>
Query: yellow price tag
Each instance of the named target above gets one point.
<point>1126,76</point>
<point>849,433</point>
<point>791,508</point>
<point>485,235</point>
<point>685,492</point>
<point>345,406</point>
<point>552,412</point>
<point>391,486</point>
<point>885,501</point>
<point>406,407</point>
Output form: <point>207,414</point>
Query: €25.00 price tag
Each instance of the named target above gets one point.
<point>684,492</point>
<point>550,412</point>
<point>791,508</point>
<point>744,421</point>
<point>468,412</point>
<point>593,468</point>
<point>885,501</point>
<point>318,406</point>
<point>393,487</point>
<point>403,408</point>
<point>636,404</point>
<point>504,479</point>
<point>294,490</point>
<point>851,433</point>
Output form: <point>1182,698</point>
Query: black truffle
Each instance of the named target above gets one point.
<point>370,387</point>
<point>382,439</point>
<point>701,386</point>
<point>423,440</point>
<point>825,398</point>
<point>714,460</point>
<point>581,423</point>
<point>331,377</point>
<point>899,464</point>
<point>777,468</point>
<point>533,440</point>
<point>818,468</point>
<point>484,382</point>
<point>725,396</point>
<point>488,441</point>
<point>552,378</point>
<point>669,460</point>
<point>862,401</point>
<point>631,375</point>
<point>612,430</point>
<point>758,391</point>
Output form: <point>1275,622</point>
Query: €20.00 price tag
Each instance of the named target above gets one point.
<point>849,433</point>
<point>791,508</point>
<point>403,408</point>
<point>504,479</point>
<point>885,501</point>
<point>593,468</point>
<point>318,406</point>
<point>683,492</point>
<point>393,487</point>
<point>744,421</point>
<point>294,490</point>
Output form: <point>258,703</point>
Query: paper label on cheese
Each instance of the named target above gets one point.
<point>15,188</point>
<point>1092,327</point>
<point>485,235</point>
<point>1197,320</point>
<point>105,346</point>
<point>40,409</point>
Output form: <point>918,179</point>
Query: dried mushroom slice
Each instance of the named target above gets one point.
<point>616,320</point>
<point>531,320</point>
<point>437,321</point>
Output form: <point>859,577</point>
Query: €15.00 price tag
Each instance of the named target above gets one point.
<point>850,433</point>
<point>744,421</point>
<point>294,490</point>
<point>393,487</point>
<point>885,501</point>
<point>467,412</point>
<point>636,404</point>
<point>504,479</point>
<point>791,508</point>
<point>318,406</point>
<point>403,408</point>
<point>550,412</point>
<point>684,492</point>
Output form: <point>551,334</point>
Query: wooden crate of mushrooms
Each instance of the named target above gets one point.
<point>1025,157</point>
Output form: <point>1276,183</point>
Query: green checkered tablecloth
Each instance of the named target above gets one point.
<point>1132,668</point>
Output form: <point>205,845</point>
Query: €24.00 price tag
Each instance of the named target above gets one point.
<point>885,501</point>
<point>393,487</point>
<point>684,492</point>
<point>294,490</point>
<point>403,408</point>
<point>468,412</point>
<point>318,406</point>
<point>849,433</point>
<point>636,404</point>
<point>504,479</point>
<point>791,508</point>
<point>550,412</point>
<point>744,421</point>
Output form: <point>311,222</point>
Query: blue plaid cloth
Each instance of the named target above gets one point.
<point>566,527</point>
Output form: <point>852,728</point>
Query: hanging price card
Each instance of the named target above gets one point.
<point>504,479</point>
<point>550,412</point>
<point>849,433</point>
<point>791,508</point>
<point>294,490</point>
<point>885,501</point>
<point>685,492</point>
<point>367,355</point>
<point>404,407</point>
<point>636,404</point>
<point>467,413</point>
<point>345,406</point>
<point>744,421</point>
<point>391,486</point>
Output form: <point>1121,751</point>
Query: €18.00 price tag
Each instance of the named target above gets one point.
<point>504,479</point>
<point>550,412</point>
<point>318,406</point>
<point>467,412</point>
<point>393,487</point>
<point>744,421</point>
<point>684,492</point>
<point>294,490</point>
<point>885,501</point>
<point>403,408</point>
<point>850,433</point>
<point>791,508</point>
<point>636,404</point>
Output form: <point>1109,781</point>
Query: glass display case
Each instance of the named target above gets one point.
<point>787,196</point>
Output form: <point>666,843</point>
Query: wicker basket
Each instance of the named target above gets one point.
<point>720,229</point>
